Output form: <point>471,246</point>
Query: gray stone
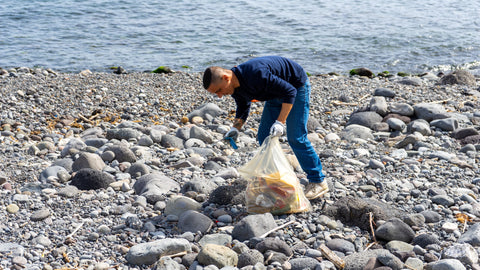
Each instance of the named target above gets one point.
<point>390,260</point>
<point>88,160</point>
<point>379,105</point>
<point>183,133</point>
<point>42,240</point>
<point>74,143</point>
<point>376,164</point>
<point>366,119</point>
<point>221,239</point>
<point>96,142</point>
<point>122,134</point>
<point>395,229</point>
<point>201,134</point>
<point>193,221</point>
<point>87,179</point>
<point>447,264</point>
<point>68,191</point>
<point>443,200</point>
<point>431,216</point>
<point>402,109</point>
<point>51,171</point>
<point>410,139</point>
<point>122,153</point>
<point>417,220</point>
<point>274,244</point>
<point>250,257</point>
<point>353,132</point>
<point>154,186</point>
<point>458,77</point>
<point>156,135</point>
<point>108,156</point>
<point>166,263</point>
<point>384,92</point>
<point>441,155</point>
<point>253,226</point>
<point>211,109</point>
<point>138,169</point>
<point>357,261</point>
<point>12,248</point>
<point>421,126</point>
<point>471,236</point>
<point>304,263</point>
<point>462,252</point>
<point>205,186</point>
<point>468,148</point>
<point>193,142</point>
<point>429,111</point>
<point>312,124</point>
<point>40,215</point>
<point>228,173</point>
<point>65,163</point>
<point>145,140</point>
<point>217,255</point>
<point>426,239</point>
<point>170,141</point>
<point>414,264</point>
<point>149,253</point>
<point>415,81</point>
<point>177,205</point>
<point>399,246</point>
<point>462,133</point>
<point>447,124</point>
<point>396,124</point>
<point>341,245</point>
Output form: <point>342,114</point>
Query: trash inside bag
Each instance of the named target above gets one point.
<point>272,184</point>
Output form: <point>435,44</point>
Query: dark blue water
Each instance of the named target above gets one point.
<point>323,36</point>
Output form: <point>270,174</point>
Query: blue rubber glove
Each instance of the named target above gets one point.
<point>278,129</point>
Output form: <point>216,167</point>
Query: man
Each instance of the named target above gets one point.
<point>285,87</point>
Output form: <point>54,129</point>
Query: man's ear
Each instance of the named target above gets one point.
<point>226,77</point>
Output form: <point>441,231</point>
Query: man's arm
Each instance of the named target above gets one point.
<point>286,108</point>
<point>238,123</point>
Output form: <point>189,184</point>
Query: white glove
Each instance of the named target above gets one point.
<point>277,129</point>
<point>232,133</point>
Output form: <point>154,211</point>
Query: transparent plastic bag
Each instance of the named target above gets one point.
<point>272,184</point>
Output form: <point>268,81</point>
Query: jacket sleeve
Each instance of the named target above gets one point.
<point>243,107</point>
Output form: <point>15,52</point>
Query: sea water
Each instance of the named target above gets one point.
<point>323,36</point>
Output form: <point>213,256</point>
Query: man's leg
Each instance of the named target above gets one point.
<point>301,146</point>
<point>271,110</point>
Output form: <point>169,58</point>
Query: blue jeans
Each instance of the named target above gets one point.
<point>296,131</point>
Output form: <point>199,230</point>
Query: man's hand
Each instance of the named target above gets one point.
<point>278,129</point>
<point>232,133</point>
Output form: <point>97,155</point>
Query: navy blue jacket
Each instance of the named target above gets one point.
<point>266,78</point>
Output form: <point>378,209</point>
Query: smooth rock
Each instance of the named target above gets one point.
<point>177,205</point>
<point>150,252</point>
<point>253,226</point>
<point>465,253</point>
<point>217,255</point>
<point>193,221</point>
<point>395,229</point>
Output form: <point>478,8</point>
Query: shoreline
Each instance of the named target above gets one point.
<point>167,69</point>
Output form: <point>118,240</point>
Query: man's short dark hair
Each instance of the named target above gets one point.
<point>207,78</point>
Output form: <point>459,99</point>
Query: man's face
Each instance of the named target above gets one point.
<point>222,88</point>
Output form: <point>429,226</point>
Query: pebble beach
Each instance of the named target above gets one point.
<point>130,171</point>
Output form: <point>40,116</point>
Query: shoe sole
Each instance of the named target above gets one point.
<point>319,194</point>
